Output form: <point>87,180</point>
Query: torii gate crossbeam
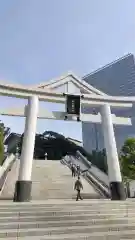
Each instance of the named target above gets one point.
<point>23,185</point>
<point>51,96</point>
<point>59,115</point>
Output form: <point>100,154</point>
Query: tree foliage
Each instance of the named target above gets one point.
<point>4,131</point>
<point>127,159</point>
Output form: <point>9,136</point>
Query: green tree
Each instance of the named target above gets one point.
<point>127,159</point>
<point>4,132</point>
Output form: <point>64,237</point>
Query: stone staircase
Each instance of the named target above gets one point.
<point>68,219</point>
<point>50,180</point>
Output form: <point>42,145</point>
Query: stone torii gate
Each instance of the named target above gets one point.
<point>56,91</point>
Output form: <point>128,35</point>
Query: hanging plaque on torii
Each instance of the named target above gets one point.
<point>73,106</point>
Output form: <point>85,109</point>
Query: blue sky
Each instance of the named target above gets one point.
<point>43,39</point>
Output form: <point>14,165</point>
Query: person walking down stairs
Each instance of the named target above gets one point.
<point>78,170</point>
<point>78,186</point>
<point>73,170</point>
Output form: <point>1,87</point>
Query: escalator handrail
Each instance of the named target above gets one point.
<point>104,191</point>
<point>103,182</point>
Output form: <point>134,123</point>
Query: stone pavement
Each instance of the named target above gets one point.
<point>68,219</point>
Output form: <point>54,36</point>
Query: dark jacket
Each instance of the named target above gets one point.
<point>78,185</point>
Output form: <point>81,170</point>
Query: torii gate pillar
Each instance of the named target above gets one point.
<point>114,173</point>
<point>24,183</point>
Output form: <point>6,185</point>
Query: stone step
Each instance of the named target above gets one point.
<point>46,202</point>
<point>64,218</point>
<point>67,220</point>
<point>79,204</point>
<point>82,206</point>
<point>53,224</point>
<point>50,180</point>
<point>67,204</point>
<point>54,202</point>
<point>124,235</point>
<point>43,217</point>
<point>68,213</point>
<point>57,231</point>
<point>68,216</point>
<point>64,210</point>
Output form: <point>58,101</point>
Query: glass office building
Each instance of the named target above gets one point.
<point>118,79</point>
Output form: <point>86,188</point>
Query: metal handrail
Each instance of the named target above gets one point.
<point>5,168</point>
<point>88,163</point>
<point>97,184</point>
